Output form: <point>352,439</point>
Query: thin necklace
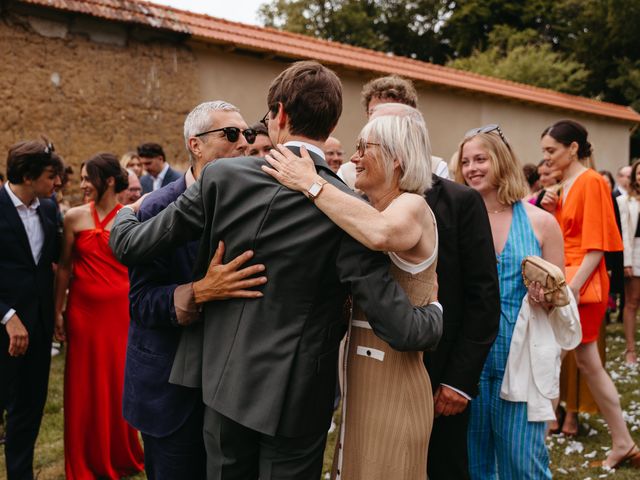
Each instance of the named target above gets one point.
<point>500,210</point>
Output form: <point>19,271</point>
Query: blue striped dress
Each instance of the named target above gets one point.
<point>501,442</point>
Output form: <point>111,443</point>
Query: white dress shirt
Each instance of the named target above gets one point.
<point>32,226</point>
<point>157,181</point>
<point>308,146</point>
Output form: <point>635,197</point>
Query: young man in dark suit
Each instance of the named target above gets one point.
<point>162,304</point>
<point>268,365</point>
<point>159,173</point>
<point>29,242</point>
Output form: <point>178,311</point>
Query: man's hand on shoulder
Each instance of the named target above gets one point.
<point>18,336</point>
<point>447,401</point>
<point>224,281</point>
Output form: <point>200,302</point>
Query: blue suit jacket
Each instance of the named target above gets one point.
<point>151,404</point>
<point>146,181</point>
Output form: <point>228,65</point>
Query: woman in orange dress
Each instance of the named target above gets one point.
<point>97,441</point>
<point>586,218</point>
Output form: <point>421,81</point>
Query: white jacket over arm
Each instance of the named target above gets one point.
<point>629,222</point>
<point>532,373</point>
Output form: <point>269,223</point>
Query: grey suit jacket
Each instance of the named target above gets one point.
<point>270,363</point>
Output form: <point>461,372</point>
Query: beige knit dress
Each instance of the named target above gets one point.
<point>387,411</point>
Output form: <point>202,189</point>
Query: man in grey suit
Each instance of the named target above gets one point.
<point>268,366</point>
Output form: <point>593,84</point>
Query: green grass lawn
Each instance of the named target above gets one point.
<point>569,458</point>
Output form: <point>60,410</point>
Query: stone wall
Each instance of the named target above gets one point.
<point>92,86</point>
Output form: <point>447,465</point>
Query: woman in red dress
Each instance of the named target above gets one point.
<point>97,441</point>
<point>586,218</point>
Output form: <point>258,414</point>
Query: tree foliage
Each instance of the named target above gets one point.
<point>586,47</point>
<point>407,28</point>
<point>521,57</point>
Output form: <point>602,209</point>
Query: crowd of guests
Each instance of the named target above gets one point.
<point>222,313</point>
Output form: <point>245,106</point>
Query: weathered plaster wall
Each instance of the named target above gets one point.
<point>91,86</point>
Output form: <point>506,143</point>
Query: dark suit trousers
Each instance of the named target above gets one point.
<point>24,381</point>
<point>235,452</point>
<point>180,455</point>
<point>448,459</point>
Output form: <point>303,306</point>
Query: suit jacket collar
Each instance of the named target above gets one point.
<point>12,216</point>
<point>318,161</point>
<point>433,194</point>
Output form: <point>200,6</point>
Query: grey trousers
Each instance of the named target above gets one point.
<point>235,452</point>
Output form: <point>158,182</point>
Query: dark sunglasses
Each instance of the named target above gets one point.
<point>361,146</point>
<point>492,127</point>
<point>233,134</point>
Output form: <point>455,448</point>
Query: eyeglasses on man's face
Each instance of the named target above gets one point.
<point>492,127</point>
<point>233,134</point>
<point>265,119</point>
<point>361,146</point>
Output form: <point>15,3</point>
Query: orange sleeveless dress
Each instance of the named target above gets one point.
<point>587,222</point>
<point>98,443</point>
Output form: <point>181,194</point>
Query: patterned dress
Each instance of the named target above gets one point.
<point>502,443</point>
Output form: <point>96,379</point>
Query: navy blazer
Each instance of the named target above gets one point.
<point>25,286</point>
<point>146,181</point>
<point>150,403</point>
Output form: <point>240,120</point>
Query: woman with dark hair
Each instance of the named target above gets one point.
<point>629,210</point>
<point>98,443</point>
<point>608,177</point>
<point>585,214</point>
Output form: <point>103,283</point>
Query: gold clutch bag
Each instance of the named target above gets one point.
<point>536,269</point>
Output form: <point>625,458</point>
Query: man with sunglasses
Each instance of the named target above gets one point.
<point>268,366</point>
<point>162,306</point>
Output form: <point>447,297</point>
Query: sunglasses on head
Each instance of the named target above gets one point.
<point>361,146</point>
<point>492,127</point>
<point>233,134</point>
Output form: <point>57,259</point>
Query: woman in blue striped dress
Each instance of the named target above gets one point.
<point>502,443</point>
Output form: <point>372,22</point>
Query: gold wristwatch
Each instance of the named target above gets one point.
<point>315,188</point>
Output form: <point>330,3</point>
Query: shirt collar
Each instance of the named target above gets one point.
<point>17,202</point>
<point>308,146</point>
<point>163,172</point>
<point>189,179</point>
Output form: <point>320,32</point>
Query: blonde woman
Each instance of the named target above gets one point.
<point>131,161</point>
<point>500,437</point>
<point>629,210</point>
<point>387,399</point>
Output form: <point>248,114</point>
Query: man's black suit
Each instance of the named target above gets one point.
<point>28,289</point>
<point>268,366</point>
<point>468,290</point>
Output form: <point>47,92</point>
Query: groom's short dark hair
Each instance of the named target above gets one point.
<point>311,96</point>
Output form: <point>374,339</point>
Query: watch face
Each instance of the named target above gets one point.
<point>314,189</point>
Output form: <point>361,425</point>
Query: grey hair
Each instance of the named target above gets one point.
<point>402,135</point>
<point>199,118</point>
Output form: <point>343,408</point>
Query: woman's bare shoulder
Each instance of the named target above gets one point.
<point>77,214</point>
<point>543,222</point>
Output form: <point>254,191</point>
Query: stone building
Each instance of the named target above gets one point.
<point>105,75</point>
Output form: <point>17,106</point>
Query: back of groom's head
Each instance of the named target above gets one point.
<point>311,96</point>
